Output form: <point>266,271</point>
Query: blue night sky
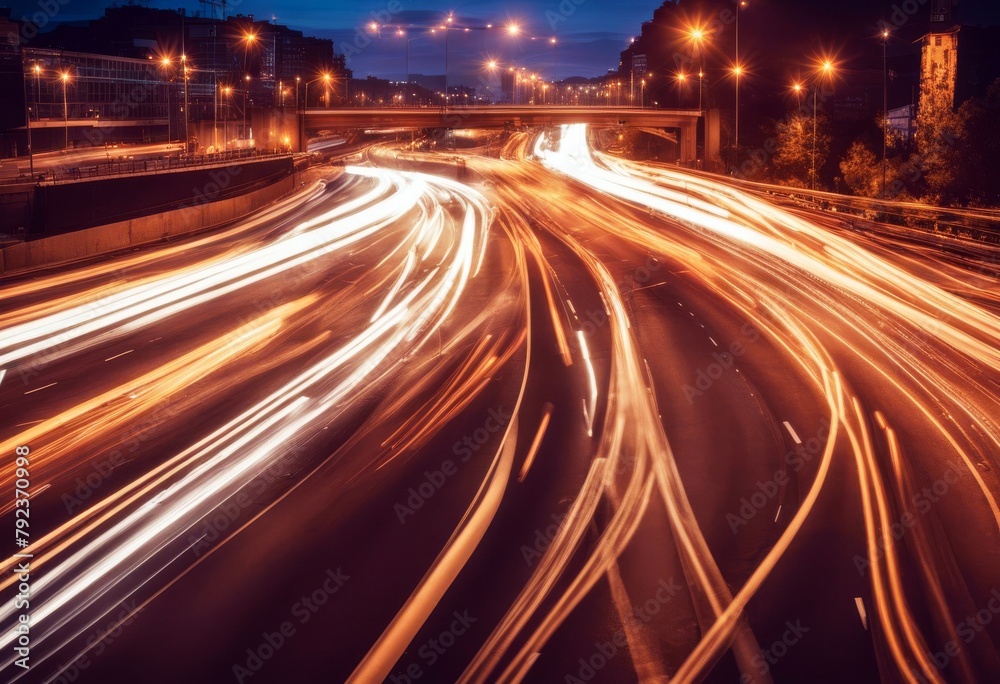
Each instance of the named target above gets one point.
<point>590,37</point>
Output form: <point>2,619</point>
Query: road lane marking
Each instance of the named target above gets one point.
<point>778,513</point>
<point>714,342</point>
<point>41,388</point>
<point>860,603</point>
<point>791,431</point>
<point>2,374</point>
<point>118,355</point>
<point>537,442</point>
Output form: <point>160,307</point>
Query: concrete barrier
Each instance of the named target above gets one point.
<point>122,235</point>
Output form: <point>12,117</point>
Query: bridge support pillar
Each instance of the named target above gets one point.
<point>713,128</point>
<point>689,143</point>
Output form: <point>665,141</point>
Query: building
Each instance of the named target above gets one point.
<point>903,123</point>
<point>142,74</point>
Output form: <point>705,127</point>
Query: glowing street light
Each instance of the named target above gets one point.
<point>825,70</point>
<point>885,104</point>
<point>64,77</point>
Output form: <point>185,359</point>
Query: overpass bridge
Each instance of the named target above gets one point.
<point>500,116</point>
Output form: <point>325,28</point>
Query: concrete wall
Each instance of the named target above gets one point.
<point>138,231</point>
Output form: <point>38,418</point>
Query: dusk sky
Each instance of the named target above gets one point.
<point>590,38</point>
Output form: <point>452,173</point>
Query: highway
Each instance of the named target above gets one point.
<point>570,419</point>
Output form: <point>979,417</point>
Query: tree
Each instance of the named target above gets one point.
<point>862,170</point>
<point>979,174</point>
<point>793,160</point>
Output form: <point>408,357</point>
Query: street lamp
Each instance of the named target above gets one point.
<point>825,70</point>
<point>697,35</point>
<point>406,61</point>
<point>737,71</point>
<point>64,77</point>
<point>38,88</point>
<point>326,78</point>
<point>681,80</point>
<point>227,91</point>
<point>246,97</point>
<point>555,59</point>
<point>184,75</point>
<point>885,104</point>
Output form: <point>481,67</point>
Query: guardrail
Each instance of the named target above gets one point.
<point>981,224</point>
<point>122,165</point>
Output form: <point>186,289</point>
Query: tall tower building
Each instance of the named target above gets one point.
<point>939,63</point>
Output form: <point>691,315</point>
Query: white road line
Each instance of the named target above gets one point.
<point>778,513</point>
<point>41,388</point>
<point>117,355</point>
<point>714,342</point>
<point>791,431</point>
<point>860,603</point>
<point>2,373</point>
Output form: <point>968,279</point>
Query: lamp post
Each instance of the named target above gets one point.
<point>698,36</point>
<point>885,105</point>
<point>246,98</point>
<point>166,82</point>
<point>298,79</point>
<point>326,78</point>
<point>38,88</point>
<point>826,69</point>
<point>184,75</point>
<point>447,30</point>
<point>406,62</point>
<point>27,116</point>
<point>555,59</point>
<point>737,71</point>
<point>64,77</point>
<point>215,112</point>
<point>228,91</point>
